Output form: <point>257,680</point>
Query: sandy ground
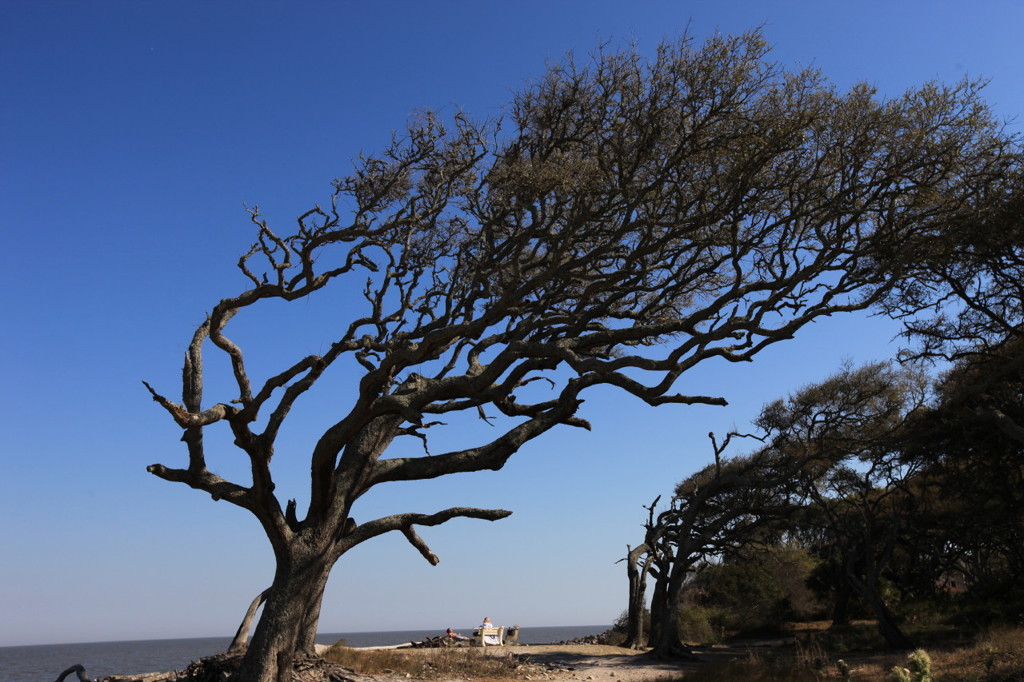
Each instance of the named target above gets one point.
<point>554,662</point>
<point>593,662</point>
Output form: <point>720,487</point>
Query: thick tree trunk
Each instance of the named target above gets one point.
<point>306,643</point>
<point>668,643</point>
<point>841,608</point>
<point>286,621</point>
<point>887,626</point>
<point>668,631</point>
<point>659,607</point>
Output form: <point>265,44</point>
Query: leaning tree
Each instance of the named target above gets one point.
<point>825,450</point>
<point>850,428</point>
<point>627,220</point>
<point>724,505</point>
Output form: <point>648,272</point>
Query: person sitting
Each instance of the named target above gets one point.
<point>456,636</point>
<point>490,640</point>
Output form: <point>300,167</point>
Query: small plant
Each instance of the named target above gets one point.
<point>899,674</point>
<point>989,651</point>
<point>920,669</point>
<point>920,665</point>
<point>810,654</point>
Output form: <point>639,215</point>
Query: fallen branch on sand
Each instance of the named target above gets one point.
<point>78,669</point>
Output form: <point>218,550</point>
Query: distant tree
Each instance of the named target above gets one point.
<point>628,220</point>
<point>722,507</point>
<point>970,491</point>
<point>730,505</point>
<point>862,511</point>
<point>855,422</point>
<point>962,305</point>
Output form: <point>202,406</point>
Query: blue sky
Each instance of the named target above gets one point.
<point>131,135</point>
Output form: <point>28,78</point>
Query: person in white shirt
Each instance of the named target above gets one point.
<point>493,640</point>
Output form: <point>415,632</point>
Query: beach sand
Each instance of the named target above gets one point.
<point>597,662</point>
<point>554,662</point>
<point>576,662</point>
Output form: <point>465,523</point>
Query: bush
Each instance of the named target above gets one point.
<point>701,625</point>
<point>757,590</point>
<point>620,623</point>
<point>427,663</point>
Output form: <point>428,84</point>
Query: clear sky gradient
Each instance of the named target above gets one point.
<point>131,134</point>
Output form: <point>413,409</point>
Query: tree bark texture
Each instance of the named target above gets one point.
<point>887,626</point>
<point>659,608</point>
<point>296,591</point>
<point>669,643</point>
<point>636,570</point>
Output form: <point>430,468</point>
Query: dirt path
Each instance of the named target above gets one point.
<point>593,662</point>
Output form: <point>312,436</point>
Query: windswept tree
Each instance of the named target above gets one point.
<point>828,451</point>
<point>853,425</point>
<point>721,507</point>
<point>970,493</point>
<point>628,219</point>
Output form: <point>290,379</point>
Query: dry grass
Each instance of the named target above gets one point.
<point>459,662</point>
<point>996,657</point>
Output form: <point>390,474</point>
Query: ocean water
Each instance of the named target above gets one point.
<point>44,662</point>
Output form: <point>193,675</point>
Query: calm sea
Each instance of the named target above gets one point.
<point>44,662</point>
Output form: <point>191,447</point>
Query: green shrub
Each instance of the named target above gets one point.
<point>756,589</point>
<point>920,669</point>
<point>699,624</point>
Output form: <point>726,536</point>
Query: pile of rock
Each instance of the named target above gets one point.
<point>606,637</point>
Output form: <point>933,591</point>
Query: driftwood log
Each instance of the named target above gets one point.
<point>79,670</point>
<point>441,641</point>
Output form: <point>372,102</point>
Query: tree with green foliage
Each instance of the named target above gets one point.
<point>854,422</point>
<point>970,492</point>
<point>826,450</point>
<point>627,220</point>
<point>756,586</point>
<point>723,506</point>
